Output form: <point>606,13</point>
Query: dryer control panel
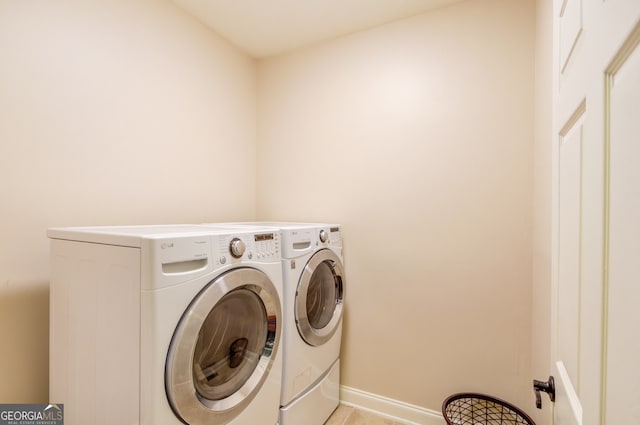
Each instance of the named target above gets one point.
<point>335,236</point>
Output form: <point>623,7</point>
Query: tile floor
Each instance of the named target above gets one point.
<point>345,415</point>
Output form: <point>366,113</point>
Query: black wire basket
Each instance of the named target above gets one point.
<point>480,409</point>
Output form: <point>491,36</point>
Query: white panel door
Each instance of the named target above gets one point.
<point>621,398</point>
<point>595,344</point>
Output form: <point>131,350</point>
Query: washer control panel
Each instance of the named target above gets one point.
<point>262,246</point>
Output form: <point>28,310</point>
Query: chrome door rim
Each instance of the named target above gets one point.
<point>310,334</point>
<point>179,384</point>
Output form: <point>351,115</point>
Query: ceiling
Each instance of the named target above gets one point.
<point>268,27</point>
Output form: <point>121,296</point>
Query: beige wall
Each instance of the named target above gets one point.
<point>111,112</point>
<point>417,136</point>
<point>541,289</point>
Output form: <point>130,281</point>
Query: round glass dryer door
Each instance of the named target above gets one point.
<point>319,299</point>
<point>223,347</point>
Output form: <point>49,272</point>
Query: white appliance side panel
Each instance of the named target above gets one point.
<point>95,332</point>
<point>316,405</point>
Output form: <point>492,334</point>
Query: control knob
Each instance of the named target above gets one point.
<point>237,247</point>
<point>323,236</point>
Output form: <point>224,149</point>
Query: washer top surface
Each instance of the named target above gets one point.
<point>284,224</point>
<point>134,235</point>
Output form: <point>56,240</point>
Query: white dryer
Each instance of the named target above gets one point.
<point>314,290</point>
<point>165,325</point>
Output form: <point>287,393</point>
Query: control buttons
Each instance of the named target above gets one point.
<point>223,259</point>
<point>237,247</point>
<point>266,250</point>
<point>324,236</point>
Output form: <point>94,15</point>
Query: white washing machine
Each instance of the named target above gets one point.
<point>314,290</point>
<point>164,325</point>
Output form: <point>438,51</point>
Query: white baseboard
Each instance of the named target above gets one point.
<point>395,410</point>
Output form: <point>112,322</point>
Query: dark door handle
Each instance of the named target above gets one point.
<point>548,387</point>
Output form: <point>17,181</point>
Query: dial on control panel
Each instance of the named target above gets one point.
<point>237,247</point>
<point>323,236</point>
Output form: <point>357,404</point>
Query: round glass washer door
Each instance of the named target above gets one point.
<point>223,347</point>
<point>320,298</point>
